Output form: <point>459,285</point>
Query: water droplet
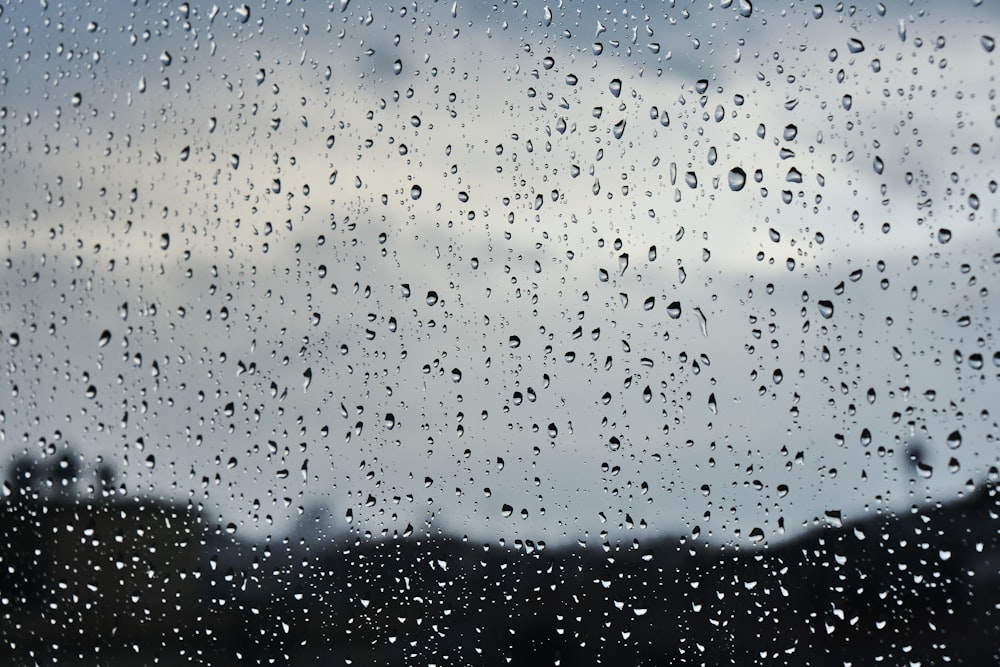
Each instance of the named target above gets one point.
<point>702,321</point>
<point>615,87</point>
<point>825,308</point>
<point>737,179</point>
<point>944,235</point>
<point>552,430</point>
<point>954,440</point>
<point>878,165</point>
<point>104,339</point>
<point>415,121</point>
<point>691,179</point>
<point>619,129</point>
<point>397,67</point>
<point>234,161</point>
<point>514,342</point>
<point>846,102</point>
<point>164,241</point>
<point>649,303</point>
<point>76,100</point>
<point>674,310</point>
<point>817,11</point>
<point>456,375</point>
<point>415,192</point>
<point>988,43</point>
<point>166,59</point>
<point>855,45</point>
<point>243,13</point>
<point>432,298</point>
<point>652,253</point>
<point>390,421</point>
<point>746,9</point>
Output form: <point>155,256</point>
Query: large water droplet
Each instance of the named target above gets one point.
<point>615,87</point>
<point>855,45</point>
<point>737,179</point>
<point>825,308</point>
<point>954,440</point>
<point>415,192</point>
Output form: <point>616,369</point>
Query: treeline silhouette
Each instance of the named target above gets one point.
<point>94,577</point>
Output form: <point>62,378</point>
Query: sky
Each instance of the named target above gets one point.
<point>524,272</point>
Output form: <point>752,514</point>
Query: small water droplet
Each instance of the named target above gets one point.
<point>988,43</point>
<point>514,342</point>
<point>415,192</point>
<point>825,308</point>
<point>619,129</point>
<point>855,45</point>
<point>164,241</point>
<point>166,59</point>
<point>615,87</point>
<point>390,421</point>
<point>456,375</point>
<point>104,339</point>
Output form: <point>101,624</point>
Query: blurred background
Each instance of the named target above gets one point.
<point>437,333</point>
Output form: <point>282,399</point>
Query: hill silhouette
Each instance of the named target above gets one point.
<point>106,579</point>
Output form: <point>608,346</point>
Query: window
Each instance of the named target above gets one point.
<point>516,333</point>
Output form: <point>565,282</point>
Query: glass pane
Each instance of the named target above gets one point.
<point>527,333</point>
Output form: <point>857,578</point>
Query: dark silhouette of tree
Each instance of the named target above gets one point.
<point>105,480</point>
<point>22,478</point>
<point>65,472</point>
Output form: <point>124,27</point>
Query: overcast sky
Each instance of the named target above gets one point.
<point>420,260</point>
